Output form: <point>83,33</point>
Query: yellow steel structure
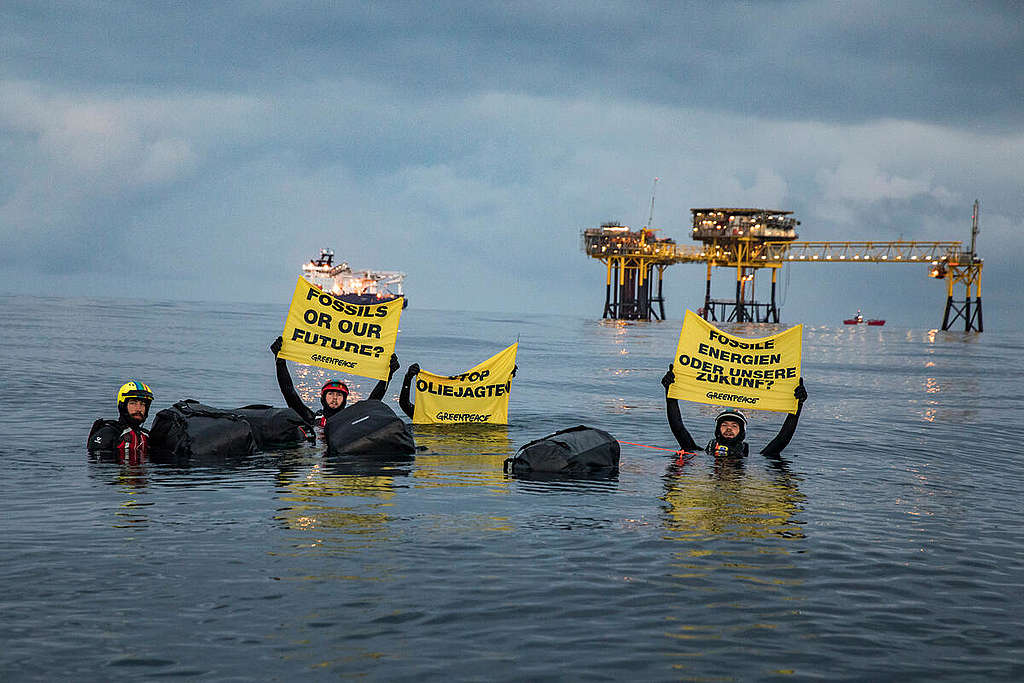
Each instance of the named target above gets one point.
<point>631,259</point>
<point>967,273</point>
<point>624,270</point>
<point>947,260</point>
<point>857,252</point>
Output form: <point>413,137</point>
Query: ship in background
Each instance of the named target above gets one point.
<point>858,319</point>
<point>353,286</point>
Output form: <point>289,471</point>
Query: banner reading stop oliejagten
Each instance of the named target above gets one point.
<point>714,367</point>
<point>477,396</point>
<point>323,330</point>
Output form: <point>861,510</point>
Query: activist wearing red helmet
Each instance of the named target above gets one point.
<point>333,396</point>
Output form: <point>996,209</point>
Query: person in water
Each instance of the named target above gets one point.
<point>730,427</point>
<point>333,394</point>
<point>124,437</point>
<point>409,407</point>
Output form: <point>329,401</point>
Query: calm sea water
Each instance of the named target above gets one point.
<point>887,546</point>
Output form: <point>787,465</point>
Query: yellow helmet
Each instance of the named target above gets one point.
<point>134,389</point>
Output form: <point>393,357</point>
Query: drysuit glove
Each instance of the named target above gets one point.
<point>414,369</point>
<point>394,363</point>
<point>668,379</point>
<point>514,369</point>
<point>275,348</point>
<point>800,392</point>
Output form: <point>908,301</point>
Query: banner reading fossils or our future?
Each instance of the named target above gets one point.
<point>477,396</point>
<point>323,330</point>
<point>714,367</point>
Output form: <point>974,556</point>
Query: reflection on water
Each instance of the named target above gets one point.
<point>732,523</point>
<point>462,455</point>
<point>547,483</point>
<point>886,545</point>
<point>131,481</point>
<point>450,471</point>
<point>109,469</point>
<point>351,497</point>
<point>727,501</point>
<point>464,439</point>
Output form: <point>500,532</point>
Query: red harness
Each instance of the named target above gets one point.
<point>132,447</point>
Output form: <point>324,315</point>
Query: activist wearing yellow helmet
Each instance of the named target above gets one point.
<point>133,401</point>
<point>124,438</point>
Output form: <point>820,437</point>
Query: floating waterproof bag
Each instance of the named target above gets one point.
<point>275,427</point>
<point>189,430</point>
<point>577,451</point>
<point>368,428</point>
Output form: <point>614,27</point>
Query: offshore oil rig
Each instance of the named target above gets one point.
<point>748,240</point>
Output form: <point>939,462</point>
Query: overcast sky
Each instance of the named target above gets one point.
<point>205,150</point>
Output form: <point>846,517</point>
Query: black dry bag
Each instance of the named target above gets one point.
<point>275,427</point>
<point>368,428</point>
<point>577,451</point>
<point>191,431</point>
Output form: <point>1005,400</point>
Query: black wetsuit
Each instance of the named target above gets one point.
<point>403,397</point>
<point>773,449</point>
<point>129,443</point>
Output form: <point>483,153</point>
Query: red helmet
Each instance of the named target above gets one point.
<point>333,385</point>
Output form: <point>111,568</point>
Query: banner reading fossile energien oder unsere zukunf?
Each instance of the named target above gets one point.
<point>715,367</point>
<point>477,396</point>
<point>323,330</point>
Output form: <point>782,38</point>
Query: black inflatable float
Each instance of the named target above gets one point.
<point>577,451</point>
<point>190,431</point>
<point>275,427</point>
<point>368,428</point>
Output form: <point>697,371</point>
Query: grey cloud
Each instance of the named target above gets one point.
<point>468,144</point>
<point>946,62</point>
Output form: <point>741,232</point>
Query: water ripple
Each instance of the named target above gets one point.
<point>885,545</point>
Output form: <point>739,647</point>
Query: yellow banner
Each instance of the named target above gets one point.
<point>714,367</point>
<point>477,396</point>
<point>323,330</point>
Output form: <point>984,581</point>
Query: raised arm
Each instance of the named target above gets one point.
<point>382,386</point>
<point>675,421</point>
<point>403,398</point>
<point>284,380</point>
<point>782,439</point>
